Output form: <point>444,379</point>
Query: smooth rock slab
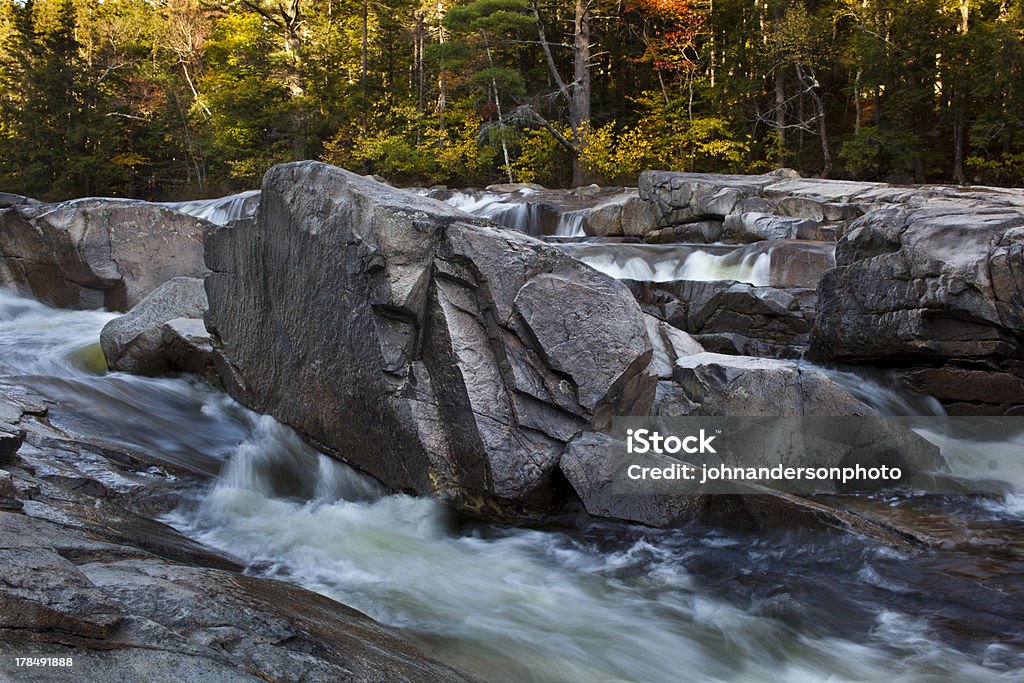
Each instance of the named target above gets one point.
<point>40,590</point>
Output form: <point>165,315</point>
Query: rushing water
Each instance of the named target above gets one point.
<point>222,210</point>
<point>581,601</point>
<point>515,210</point>
<point>666,263</point>
<point>648,262</point>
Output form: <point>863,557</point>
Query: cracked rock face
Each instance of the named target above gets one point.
<point>733,317</point>
<point>97,253</point>
<point>422,345</point>
<point>938,290</point>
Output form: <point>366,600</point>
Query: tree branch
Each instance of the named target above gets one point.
<point>548,56</point>
<point>525,112</point>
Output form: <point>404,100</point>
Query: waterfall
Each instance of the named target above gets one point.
<point>222,210</point>
<point>666,263</point>
<point>570,224</point>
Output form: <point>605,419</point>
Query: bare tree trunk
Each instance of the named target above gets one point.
<point>579,103</point>
<point>362,54</point>
<point>810,84</point>
<point>711,41</point>
<point>442,96</point>
<point>856,99</point>
<point>501,120</point>
<point>958,149</point>
<point>780,114</point>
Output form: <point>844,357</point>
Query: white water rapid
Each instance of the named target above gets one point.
<point>586,601</point>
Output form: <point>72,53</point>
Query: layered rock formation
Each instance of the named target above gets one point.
<point>733,317</point>
<point>928,280</point>
<point>936,291</point>
<point>447,356</point>
<point>97,253</point>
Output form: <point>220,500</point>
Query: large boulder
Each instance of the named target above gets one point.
<point>97,253</point>
<point>188,347</point>
<point>941,285</point>
<point>590,466</point>
<point>822,424</point>
<point>428,348</point>
<point>625,214</point>
<point>754,226</point>
<point>690,197</point>
<point>135,341</point>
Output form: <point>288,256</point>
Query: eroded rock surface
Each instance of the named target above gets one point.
<point>89,575</point>
<point>937,291</point>
<point>733,317</point>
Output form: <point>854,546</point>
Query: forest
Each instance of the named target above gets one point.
<point>168,99</point>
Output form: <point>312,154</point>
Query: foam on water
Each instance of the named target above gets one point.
<point>516,604</point>
<point>974,448</point>
<point>667,263</point>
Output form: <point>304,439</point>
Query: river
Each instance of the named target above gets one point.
<point>573,600</point>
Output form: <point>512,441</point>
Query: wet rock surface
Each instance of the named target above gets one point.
<point>593,474</point>
<point>733,317</point>
<point>781,205</point>
<point>188,346</point>
<point>489,360</point>
<point>88,575</point>
<point>7,200</point>
<point>927,279</point>
<point>935,291</point>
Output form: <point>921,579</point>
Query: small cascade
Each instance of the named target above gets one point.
<point>506,208</point>
<point>222,210</point>
<point>666,263</point>
<point>519,216</point>
<point>776,263</point>
<point>973,447</point>
<point>570,224</point>
<point>491,599</point>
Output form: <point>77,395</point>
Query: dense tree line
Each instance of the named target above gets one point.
<point>171,98</point>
